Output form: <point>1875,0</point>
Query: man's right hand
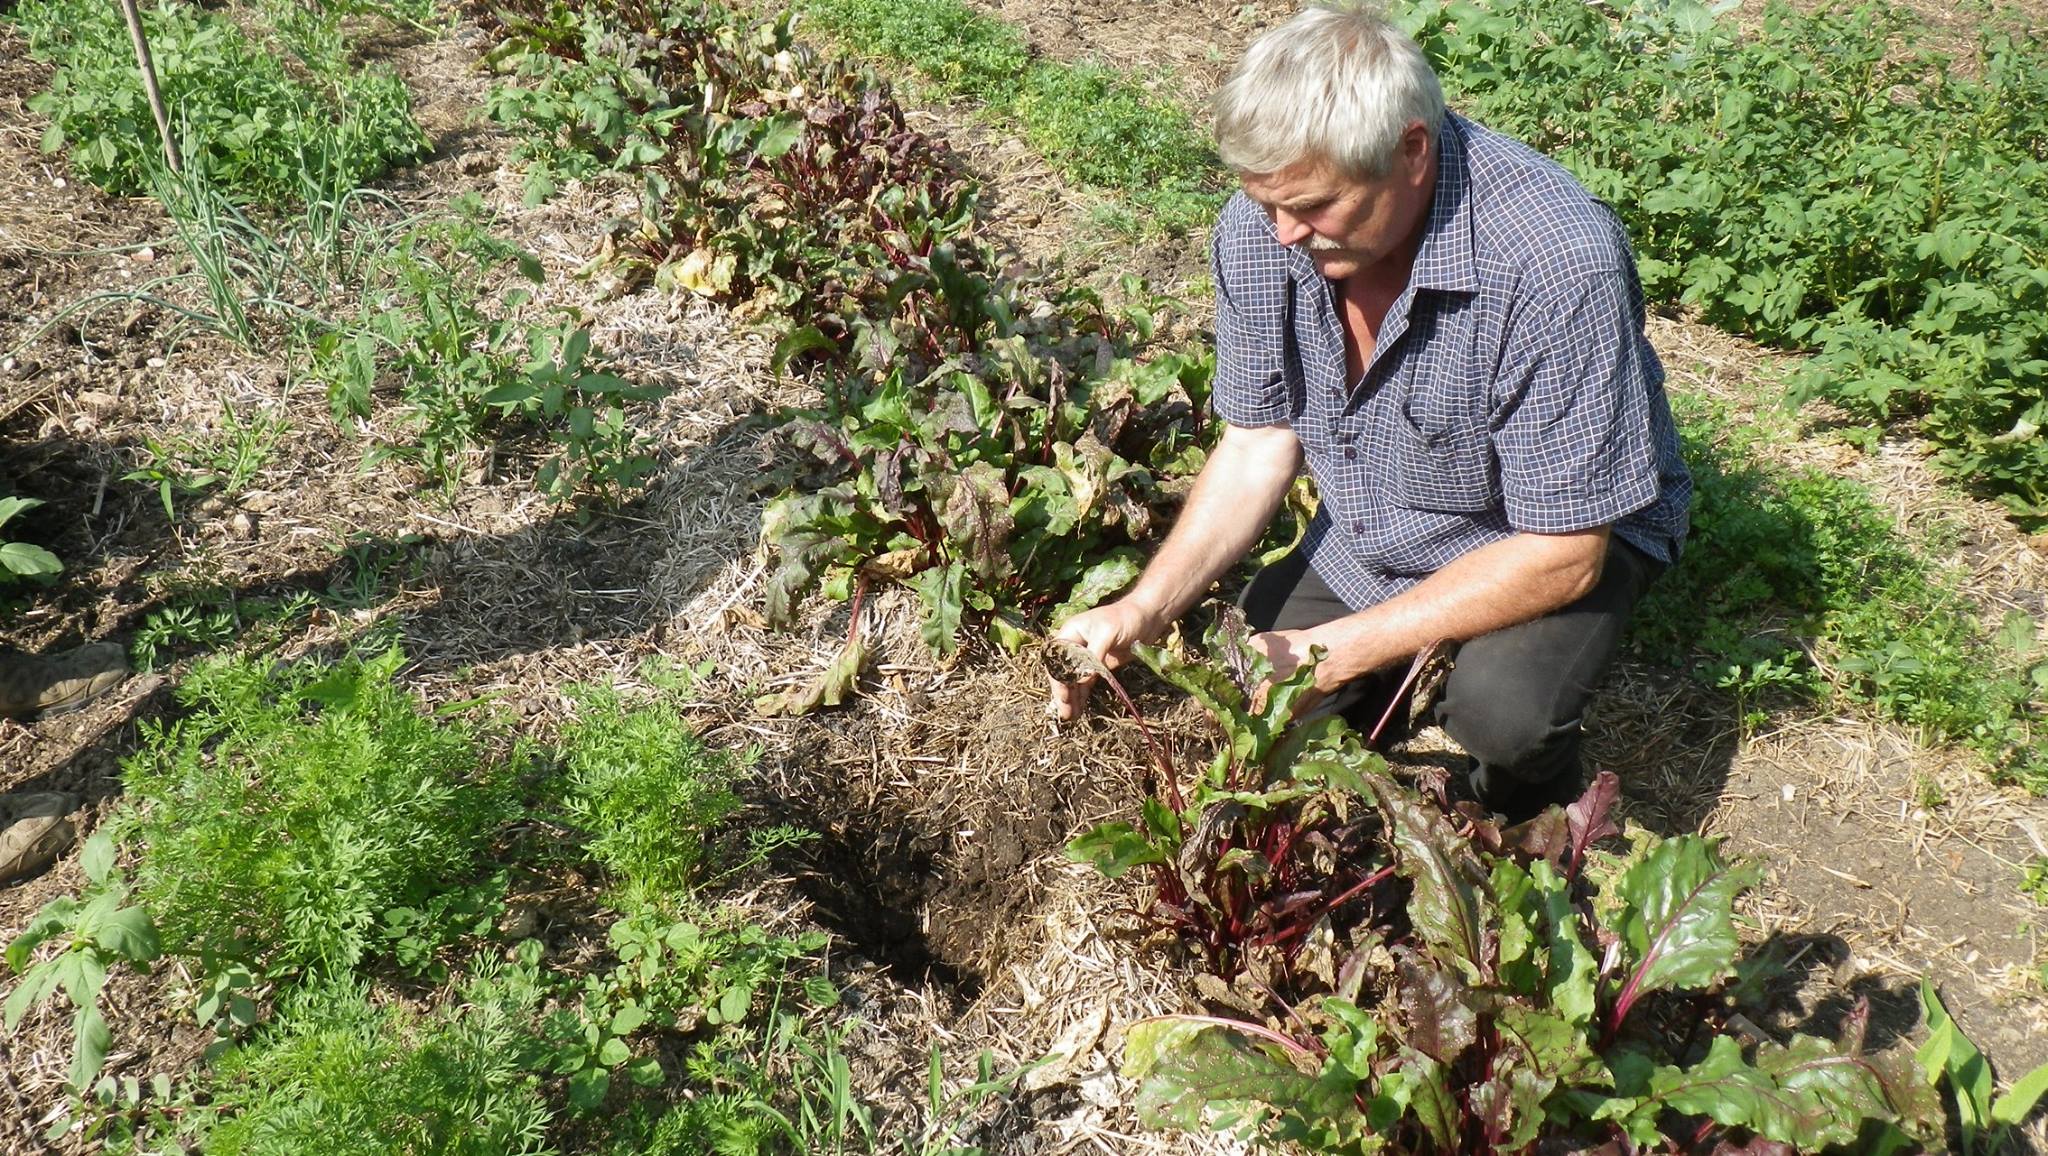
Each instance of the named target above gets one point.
<point>1107,633</point>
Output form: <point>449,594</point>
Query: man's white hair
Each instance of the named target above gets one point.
<point>1338,83</point>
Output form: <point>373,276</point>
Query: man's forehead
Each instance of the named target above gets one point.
<point>1302,182</point>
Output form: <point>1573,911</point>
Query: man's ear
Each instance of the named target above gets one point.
<point>1415,146</point>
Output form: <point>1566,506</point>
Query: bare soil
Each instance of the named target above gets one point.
<point>943,797</point>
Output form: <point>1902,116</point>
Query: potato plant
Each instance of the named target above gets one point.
<point>1824,184</point>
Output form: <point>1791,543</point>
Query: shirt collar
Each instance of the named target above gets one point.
<point>1445,260</point>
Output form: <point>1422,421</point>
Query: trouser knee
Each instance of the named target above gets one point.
<point>1509,730</point>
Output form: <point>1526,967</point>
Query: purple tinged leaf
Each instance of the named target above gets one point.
<point>977,521</point>
<point>1754,1146</point>
<point>1193,1069</point>
<point>1591,818</point>
<point>1444,905</point>
<point>1435,1019</point>
<point>1229,640</point>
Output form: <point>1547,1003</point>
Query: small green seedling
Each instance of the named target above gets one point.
<point>1987,1122</point>
<point>101,931</point>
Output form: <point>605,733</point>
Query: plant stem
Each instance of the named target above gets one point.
<point>1158,752</point>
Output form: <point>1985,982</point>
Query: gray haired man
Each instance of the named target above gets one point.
<point>1447,331</point>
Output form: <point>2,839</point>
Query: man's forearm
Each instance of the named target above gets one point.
<point>1509,582</point>
<point>1234,498</point>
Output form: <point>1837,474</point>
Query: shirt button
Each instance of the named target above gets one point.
<point>1350,453</point>
<point>1358,527</point>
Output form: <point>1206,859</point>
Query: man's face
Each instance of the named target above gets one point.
<point>1349,226</point>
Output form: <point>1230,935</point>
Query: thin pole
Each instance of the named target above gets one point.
<point>156,99</point>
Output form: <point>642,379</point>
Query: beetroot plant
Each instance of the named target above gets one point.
<point>1260,859</point>
<point>1409,978</point>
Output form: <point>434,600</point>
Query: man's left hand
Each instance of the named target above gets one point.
<point>1287,651</point>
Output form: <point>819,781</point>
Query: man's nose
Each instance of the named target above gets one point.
<point>1290,229</point>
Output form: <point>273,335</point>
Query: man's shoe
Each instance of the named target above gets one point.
<point>34,829</point>
<point>32,686</point>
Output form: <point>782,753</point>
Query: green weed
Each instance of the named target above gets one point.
<point>470,374</point>
<point>96,931</point>
<point>296,807</point>
<point>248,123</point>
<point>20,560</point>
<point>226,458</point>
<point>1782,561</point>
<point>341,1073</point>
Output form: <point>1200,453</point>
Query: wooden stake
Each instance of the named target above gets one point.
<point>156,99</point>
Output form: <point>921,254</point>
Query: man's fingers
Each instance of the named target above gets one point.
<point>1070,698</point>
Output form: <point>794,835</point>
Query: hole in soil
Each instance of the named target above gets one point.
<point>874,889</point>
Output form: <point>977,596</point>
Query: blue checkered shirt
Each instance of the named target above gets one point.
<point>1511,388</point>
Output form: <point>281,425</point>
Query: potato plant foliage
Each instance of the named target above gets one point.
<point>1824,184</point>
<point>985,439</point>
<point>1516,990</point>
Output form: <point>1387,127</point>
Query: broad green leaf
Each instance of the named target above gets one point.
<point>92,1041</point>
<point>10,506</point>
<point>1570,974</point>
<point>32,990</point>
<point>587,1088</point>
<point>799,341</point>
<point>1550,1045</point>
<point>28,561</point>
<point>1849,1088</point>
<point>613,1052</point>
<point>52,920</point>
<point>1163,823</point>
<point>1951,1055</point>
<point>1192,1071</point>
<point>130,934</point>
<point>1100,582</point>
<point>628,1019</point>
<point>1676,916</point>
<point>1430,1098</point>
<point>1114,848</point>
<point>943,590</point>
<point>2019,1102</point>
<point>733,1005</point>
<point>1804,1094</point>
<point>96,858</point>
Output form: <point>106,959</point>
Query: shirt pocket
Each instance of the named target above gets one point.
<point>1441,456</point>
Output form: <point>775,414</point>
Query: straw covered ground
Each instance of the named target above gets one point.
<point>943,796</point>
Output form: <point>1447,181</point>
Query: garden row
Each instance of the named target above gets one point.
<point>1822,184</point>
<point>1003,445</point>
<point>353,903</point>
<point>1774,556</point>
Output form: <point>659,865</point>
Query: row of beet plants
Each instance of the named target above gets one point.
<point>1388,971</point>
<point>986,436</point>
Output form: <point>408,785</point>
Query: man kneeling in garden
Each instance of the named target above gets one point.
<point>1448,331</point>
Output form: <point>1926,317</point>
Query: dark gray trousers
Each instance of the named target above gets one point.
<point>1515,699</point>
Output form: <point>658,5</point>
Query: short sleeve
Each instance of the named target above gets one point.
<point>1250,387</point>
<point>1573,430</point>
